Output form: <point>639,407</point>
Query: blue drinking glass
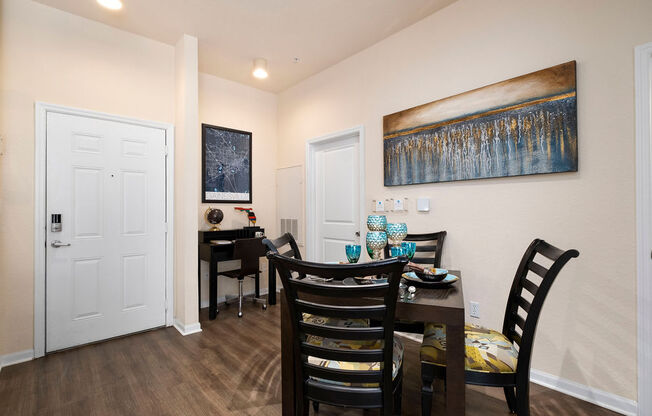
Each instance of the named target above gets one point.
<point>353,252</point>
<point>410,248</point>
<point>397,251</point>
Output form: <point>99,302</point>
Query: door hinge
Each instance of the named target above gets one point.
<point>165,227</point>
<point>166,150</point>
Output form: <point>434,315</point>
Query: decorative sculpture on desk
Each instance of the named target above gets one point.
<point>214,216</point>
<point>250,215</point>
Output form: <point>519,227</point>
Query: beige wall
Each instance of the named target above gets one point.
<point>230,104</point>
<point>587,331</point>
<point>48,55</point>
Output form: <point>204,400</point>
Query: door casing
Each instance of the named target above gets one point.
<point>311,183</point>
<point>40,220</point>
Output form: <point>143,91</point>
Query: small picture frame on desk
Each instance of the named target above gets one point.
<point>226,165</point>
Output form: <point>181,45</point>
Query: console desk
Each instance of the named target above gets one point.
<point>215,253</point>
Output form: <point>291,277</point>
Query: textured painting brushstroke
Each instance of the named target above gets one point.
<point>523,126</point>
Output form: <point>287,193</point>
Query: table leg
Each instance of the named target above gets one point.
<point>271,284</point>
<point>199,286</point>
<point>212,290</point>
<point>455,386</point>
<point>287,358</point>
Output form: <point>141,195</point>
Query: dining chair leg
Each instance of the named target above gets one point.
<point>427,377</point>
<point>315,406</point>
<point>240,282</point>
<point>510,397</point>
<point>523,398</point>
<point>397,398</point>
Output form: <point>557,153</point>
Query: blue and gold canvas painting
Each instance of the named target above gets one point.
<point>523,126</point>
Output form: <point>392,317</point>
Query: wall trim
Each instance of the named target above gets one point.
<point>41,110</point>
<point>643,83</point>
<point>598,397</point>
<point>187,329</point>
<point>310,182</point>
<point>16,358</point>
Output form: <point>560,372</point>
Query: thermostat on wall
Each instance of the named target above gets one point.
<point>423,204</point>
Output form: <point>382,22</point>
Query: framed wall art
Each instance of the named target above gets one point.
<point>226,165</point>
<point>523,126</point>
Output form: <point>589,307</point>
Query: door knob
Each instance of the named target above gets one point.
<point>357,233</point>
<point>57,243</point>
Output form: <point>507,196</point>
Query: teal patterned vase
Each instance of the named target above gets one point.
<point>376,242</point>
<point>376,222</point>
<point>396,232</point>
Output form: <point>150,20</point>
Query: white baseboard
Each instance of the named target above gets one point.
<point>598,397</point>
<point>222,299</point>
<point>187,329</point>
<point>16,358</point>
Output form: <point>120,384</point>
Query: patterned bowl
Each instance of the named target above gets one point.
<point>376,222</point>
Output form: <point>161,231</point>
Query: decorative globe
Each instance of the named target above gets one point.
<point>214,216</point>
<point>376,222</point>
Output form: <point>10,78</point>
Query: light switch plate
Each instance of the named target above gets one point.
<point>423,204</point>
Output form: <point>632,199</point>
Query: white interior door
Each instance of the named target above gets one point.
<point>106,277</point>
<point>337,197</point>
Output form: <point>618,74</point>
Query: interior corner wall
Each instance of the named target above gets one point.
<point>56,57</point>
<point>587,331</point>
<point>186,178</point>
<point>230,104</point>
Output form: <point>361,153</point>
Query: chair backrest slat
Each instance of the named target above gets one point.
<point>528,296</point>
<point>345,376</point>
<point>341,354</point>
<point>339,291</point>
<point>341,332</point>
<point>434,245</point>
<point>359,312</point>
<point>375,303</point>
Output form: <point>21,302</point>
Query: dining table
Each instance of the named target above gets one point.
<point>442,305</point>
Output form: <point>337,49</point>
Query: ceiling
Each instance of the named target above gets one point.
<point>232,33</point>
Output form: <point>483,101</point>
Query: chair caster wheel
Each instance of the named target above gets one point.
<point>239,314</point>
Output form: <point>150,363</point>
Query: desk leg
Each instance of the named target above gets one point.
<point>212,290</point>
<point>271,284</point>
<point>455,386</point>
<point>287,358</point>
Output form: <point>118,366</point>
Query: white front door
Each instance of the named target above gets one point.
<point>106,277</point>
<point>337,197</point>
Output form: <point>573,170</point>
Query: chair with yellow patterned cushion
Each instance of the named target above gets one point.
<point>344,355</point>
<point>500,359</point>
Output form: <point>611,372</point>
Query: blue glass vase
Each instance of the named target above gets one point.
<point>353,252</point>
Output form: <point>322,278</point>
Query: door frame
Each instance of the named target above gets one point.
<point>41,111</point>
<point>643,83</point>
<point>311,182</point>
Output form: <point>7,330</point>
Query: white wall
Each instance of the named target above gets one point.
<point>230,104</point>
<point>52,56</point>
<point>587,331</point>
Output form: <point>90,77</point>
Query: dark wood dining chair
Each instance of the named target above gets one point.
<point>341,358</point>
<point>500,359</point>
<point>248,251</point>
<point>287,246</point>
<point>429,248</point>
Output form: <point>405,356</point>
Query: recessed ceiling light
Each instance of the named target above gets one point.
<point>260,68</point>
<point>111,4</point>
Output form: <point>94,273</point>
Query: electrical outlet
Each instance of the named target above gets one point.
<point>475,309</point>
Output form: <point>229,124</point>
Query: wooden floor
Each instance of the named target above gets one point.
<point>231,368</point>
